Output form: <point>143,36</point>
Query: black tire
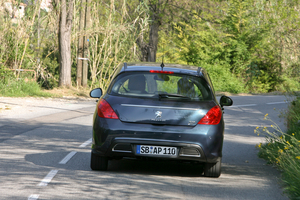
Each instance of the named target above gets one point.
<point>212,169</point>
<point>98,162</point>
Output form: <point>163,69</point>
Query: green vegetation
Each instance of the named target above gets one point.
<point>249,46</point>
<point>22,87</point>
<point>283,149</point>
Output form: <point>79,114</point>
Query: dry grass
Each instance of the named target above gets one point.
<point>71,92</point>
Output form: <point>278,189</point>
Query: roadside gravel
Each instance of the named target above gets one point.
<point>20,108</point>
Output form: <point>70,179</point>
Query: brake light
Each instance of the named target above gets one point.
<point>212,117</point>
<point>105,110</point>
<point>161,72</point>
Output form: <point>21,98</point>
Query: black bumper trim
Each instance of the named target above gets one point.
<point>135,141</point>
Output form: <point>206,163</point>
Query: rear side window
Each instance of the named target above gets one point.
<point>163,86</point>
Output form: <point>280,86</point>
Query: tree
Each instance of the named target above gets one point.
<point>80,54</point>
<point>156,12</point>
<point>86,43</point>
<point>64,38</point>
<point>83,43</point>
<point>112,38</point>
<point>157,8</point>
<point>161,13</point>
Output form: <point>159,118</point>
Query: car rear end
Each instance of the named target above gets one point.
<point>165,113</point>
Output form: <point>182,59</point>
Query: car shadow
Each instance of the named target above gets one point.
<point>156,167</point>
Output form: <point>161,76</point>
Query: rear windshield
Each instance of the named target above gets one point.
<point>162,86</point>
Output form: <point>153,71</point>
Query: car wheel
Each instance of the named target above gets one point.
<point>212,169</point>
<point>99,162</point>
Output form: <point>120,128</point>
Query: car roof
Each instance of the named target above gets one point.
<point>147,66</point>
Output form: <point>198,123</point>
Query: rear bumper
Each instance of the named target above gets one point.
<point>126,147</point>
<point>113,138</point>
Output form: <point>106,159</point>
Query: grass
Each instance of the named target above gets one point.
<point>283,149</point>
<point>21,88</point>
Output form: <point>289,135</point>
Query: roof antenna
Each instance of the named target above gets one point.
<point>162,62</point>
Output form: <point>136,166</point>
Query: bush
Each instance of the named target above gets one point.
<point>21,88</point>
<point>282,149</point>
<point>223,80</point>
<point>5,75</point>
<point>293,116</point>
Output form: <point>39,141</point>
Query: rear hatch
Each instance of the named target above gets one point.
<point>159,112</point>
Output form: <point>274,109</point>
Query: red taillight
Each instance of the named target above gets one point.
<point>161,72</point>
<point>105,110</point>
<point>212,117</point>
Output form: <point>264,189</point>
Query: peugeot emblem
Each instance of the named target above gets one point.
<point>158,114</point>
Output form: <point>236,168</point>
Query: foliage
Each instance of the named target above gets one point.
<point>27,43</point>
<point>277,56</point>
<point>282,149</point>
<point>251,45</point>
<point>198,43</point>
<point>5,75</point>
<point>224,80</point>
<point>21,88</point>
<point>292,115</point>
<point>112,40</point>
<point>241,36</point>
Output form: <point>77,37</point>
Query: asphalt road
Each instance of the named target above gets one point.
<point>45,154</point>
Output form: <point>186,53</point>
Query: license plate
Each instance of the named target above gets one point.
<point>156,150</point>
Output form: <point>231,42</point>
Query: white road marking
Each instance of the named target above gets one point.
<point>89,141</point>
<point>244,105</point>
<point>48,178</point>
<point>276,103</point>
<point>68,157</point>
<point>33,197</point>
<point>248,105</point>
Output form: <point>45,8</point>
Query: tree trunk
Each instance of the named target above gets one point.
<point>157,9</point>
<point>86,43</point>
<point>148,51</point>
<point>80,43</point>
<point>153,39</point>
<point>143,48</point>
<point>65,29</point>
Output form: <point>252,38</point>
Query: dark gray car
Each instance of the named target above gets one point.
<point>162,111</point>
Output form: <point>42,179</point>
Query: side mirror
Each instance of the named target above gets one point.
<point>96,93</point>
<point>225,101</point>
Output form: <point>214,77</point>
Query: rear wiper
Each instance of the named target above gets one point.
<point>172,96</point>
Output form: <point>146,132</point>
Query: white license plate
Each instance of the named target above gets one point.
<point>156,150</point>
